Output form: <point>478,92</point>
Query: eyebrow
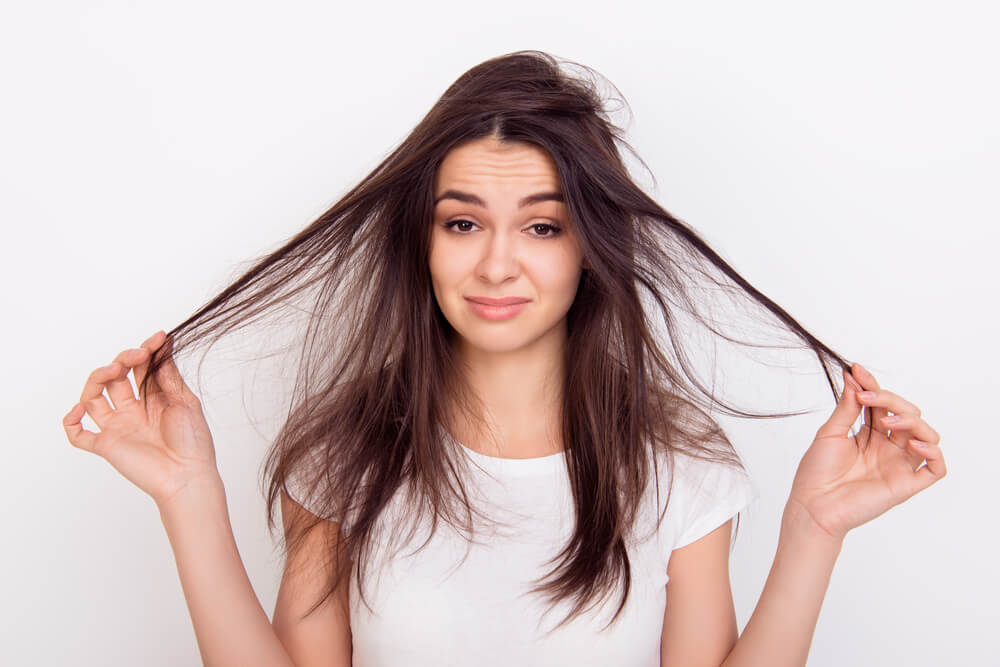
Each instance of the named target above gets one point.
<point>470,198</point>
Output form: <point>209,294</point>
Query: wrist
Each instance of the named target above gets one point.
<point>799,526</point>
<point>199,494</point>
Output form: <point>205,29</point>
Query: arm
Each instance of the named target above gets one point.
<point>161,442</point>
<point>842,482</point>
<point>324,636</point>
<point>230,625</point>
<point>781,627</point>
<point>699,623</point>
<point>839,485</point>
<point>699,626</point>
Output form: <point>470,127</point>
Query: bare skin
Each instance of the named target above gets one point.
<point>500,250</point>
<point>161,454</point>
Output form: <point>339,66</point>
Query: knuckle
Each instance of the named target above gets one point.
<point>126,399</point>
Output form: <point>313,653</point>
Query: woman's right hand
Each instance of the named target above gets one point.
<point>161,452</point>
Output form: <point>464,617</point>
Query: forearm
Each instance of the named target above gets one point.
<point>229,623</point>
<point>780,630</point>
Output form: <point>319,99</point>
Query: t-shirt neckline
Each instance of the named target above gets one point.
<point>509,467</point>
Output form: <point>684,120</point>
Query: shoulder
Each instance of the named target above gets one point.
<point>703,494</point>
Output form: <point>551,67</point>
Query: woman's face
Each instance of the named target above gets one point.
<point>486,244</point>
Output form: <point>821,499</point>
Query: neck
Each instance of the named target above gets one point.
<point>521,393</point>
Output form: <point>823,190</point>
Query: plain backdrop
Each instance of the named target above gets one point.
<point>843,157</point>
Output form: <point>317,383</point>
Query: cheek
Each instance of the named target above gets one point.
<point>560,272</point>
<point>443,264</point>
<point>446,273</point>
<point>434,255</point>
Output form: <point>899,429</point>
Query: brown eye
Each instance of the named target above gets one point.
<point>551,230</point>
<point>543,230</point>
<point>455,223</point>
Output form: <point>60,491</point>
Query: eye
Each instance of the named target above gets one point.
<point>544,230</point>
<point>455,223</point>
<point>551,230</point>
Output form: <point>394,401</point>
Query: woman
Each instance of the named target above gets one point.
<point>481,351</point>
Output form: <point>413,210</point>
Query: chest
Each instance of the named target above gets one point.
<point>455,602</point>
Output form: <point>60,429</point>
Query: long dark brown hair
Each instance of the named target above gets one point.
<point>377,370</point>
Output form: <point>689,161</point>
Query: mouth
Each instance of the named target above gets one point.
<point>502,301</point>
<point>489,309</point>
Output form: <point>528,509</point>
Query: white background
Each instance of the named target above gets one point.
<point>843,157</point>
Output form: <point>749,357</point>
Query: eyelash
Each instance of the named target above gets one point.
<point>555,229</point>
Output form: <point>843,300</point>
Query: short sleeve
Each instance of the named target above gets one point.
<point>713,493</point>
<point>298,483</point>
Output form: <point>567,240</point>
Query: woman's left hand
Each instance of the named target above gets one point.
<point>841,484</point>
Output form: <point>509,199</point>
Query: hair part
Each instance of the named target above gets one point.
<point>377,376</point>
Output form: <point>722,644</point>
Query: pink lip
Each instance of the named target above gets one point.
<point>505,309</point>
<point>504,301</point>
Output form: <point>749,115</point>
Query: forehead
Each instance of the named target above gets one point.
<point>487,162</point>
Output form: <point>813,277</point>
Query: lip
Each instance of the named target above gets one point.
<point>502,301</point>
<point>497,309</point>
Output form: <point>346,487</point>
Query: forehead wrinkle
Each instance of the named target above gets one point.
<point>472,169</point>
<point>533,199</point>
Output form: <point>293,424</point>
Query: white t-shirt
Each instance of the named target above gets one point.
<point>431,608</point>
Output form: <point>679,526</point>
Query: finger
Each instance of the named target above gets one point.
<point>909,426</point>
<point>92,397</point>
<point>930,473</point>
<point>844,414</point>
<point>151,344</point>
<point>869,383</point>
<point>77,435</point>
<point>891,402</point>
<point>119,387</point>
<point>169,378</point>
<point>849,380</point>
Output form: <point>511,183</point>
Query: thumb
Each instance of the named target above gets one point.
<point>846,412</point>
<point>168,377</point>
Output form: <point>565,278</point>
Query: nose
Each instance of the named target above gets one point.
<point>499,261</point>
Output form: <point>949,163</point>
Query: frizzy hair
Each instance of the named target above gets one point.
<point>377,372</point>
